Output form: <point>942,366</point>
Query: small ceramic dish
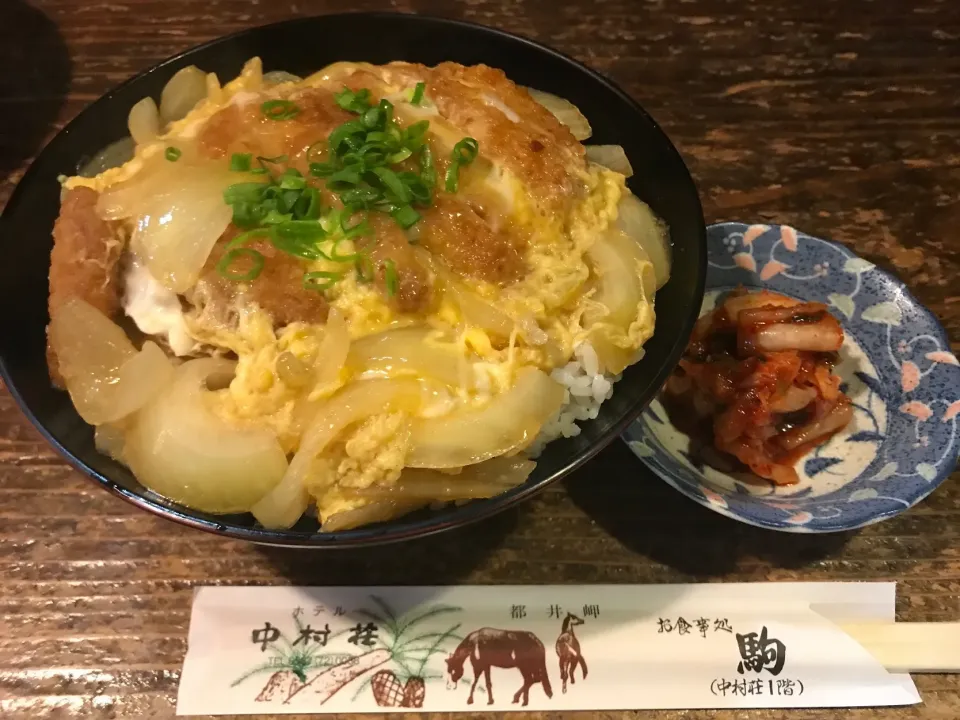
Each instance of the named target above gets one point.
<point>896,366</point>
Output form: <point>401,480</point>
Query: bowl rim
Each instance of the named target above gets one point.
<point>731,226</point>
<point>440,520</point>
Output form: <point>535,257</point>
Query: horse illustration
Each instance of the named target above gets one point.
<point>489,648</point>
<point>568,650</point>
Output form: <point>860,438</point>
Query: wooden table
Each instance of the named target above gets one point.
<point>842,118</point>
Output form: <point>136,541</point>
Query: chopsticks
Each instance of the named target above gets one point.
<point>910,647</point>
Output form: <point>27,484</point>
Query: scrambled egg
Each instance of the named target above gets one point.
<point>546,307</point>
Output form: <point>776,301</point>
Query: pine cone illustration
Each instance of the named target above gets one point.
<point>387,690</point>
<point>414,693</point>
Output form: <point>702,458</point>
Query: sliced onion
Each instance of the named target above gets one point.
<point>737,303</point>
<point>508,422</point>
<point>613,358</point>
<point>113,155</point>
<point>106,377</point>
<point>284,506</point>
<point>565,111</point>
<point>625,278</point>
<point>178,447</point>
<point>333,350</point>
<point>406,349</point>
<point>482,480</point>
<point>611,157</point>
<point>795,398</point>
<point>179,212</point>
<point>368,514</point>
<point>833,421</point>
<point>276,77</point>
<point>182,92</point>
<point>143,122</point>
<point>110,440</point>
<point>637,220</point>
<point>477,312</point>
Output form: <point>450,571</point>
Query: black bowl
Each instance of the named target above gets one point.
<point>301,46</point>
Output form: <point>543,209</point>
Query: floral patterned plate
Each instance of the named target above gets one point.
<point>896,365</point>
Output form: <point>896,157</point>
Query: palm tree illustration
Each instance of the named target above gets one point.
<point>403,683</point>
<point>396,643</point>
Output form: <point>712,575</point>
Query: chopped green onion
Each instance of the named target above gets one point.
<point>320,280</point>
<point>395,187</point>
<point>364,268</point>
<point>273,217</point>
<point>292,180</point>
<point>343,179</point>
<point>172,154</point>
<point>337,257</point>
<point>428,173</point>
<point>390,277</point>
<point>355,102</point>
<point>405,216</point>
<point>399,156</point>
<point>307,206</point>
<point>280,109</point>
<point>230,257</point>
<point>244,192</point>
<point>240,162</point>
<point>418,93</point>
<point>322,169</point>
<point>465,151</point>
<point>371,118</point>
<point>356,230</point>
<point>300,229</point>
<point>415,133</point>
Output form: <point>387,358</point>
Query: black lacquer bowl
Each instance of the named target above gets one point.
<point>302,46</point>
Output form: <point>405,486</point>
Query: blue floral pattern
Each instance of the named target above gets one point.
<point>896,365</point>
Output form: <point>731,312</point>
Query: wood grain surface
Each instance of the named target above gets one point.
<point>842,118</point>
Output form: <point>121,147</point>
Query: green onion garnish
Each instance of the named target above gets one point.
<point>405,216</point>
<point>464,153</point>
<point>355,102</point>
<point>172,154</point>
<point>280,109</point>
<point>418,93</point>
<point>370,162</point>
<point>320,280</point>
<point>240,162</point>
<point>230,257</point>
<point>390,277</point>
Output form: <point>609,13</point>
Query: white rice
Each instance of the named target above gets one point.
<point>586,390</point>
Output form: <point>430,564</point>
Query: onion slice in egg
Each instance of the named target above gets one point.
<point>179,448</point>
<point>565,111</point>
<point>284,505</point>
<point>143,121</point>
<point>637,220</point>
<point>375,512</point>
<point>510,421</point>
<point>611,157</point>
<point>406,349</point>
<point>482,480</point>
<point>105,375</point>
<point>183,91</point>
<point>179,213</point>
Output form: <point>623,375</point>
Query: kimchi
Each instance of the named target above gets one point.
<point>756,382</point>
